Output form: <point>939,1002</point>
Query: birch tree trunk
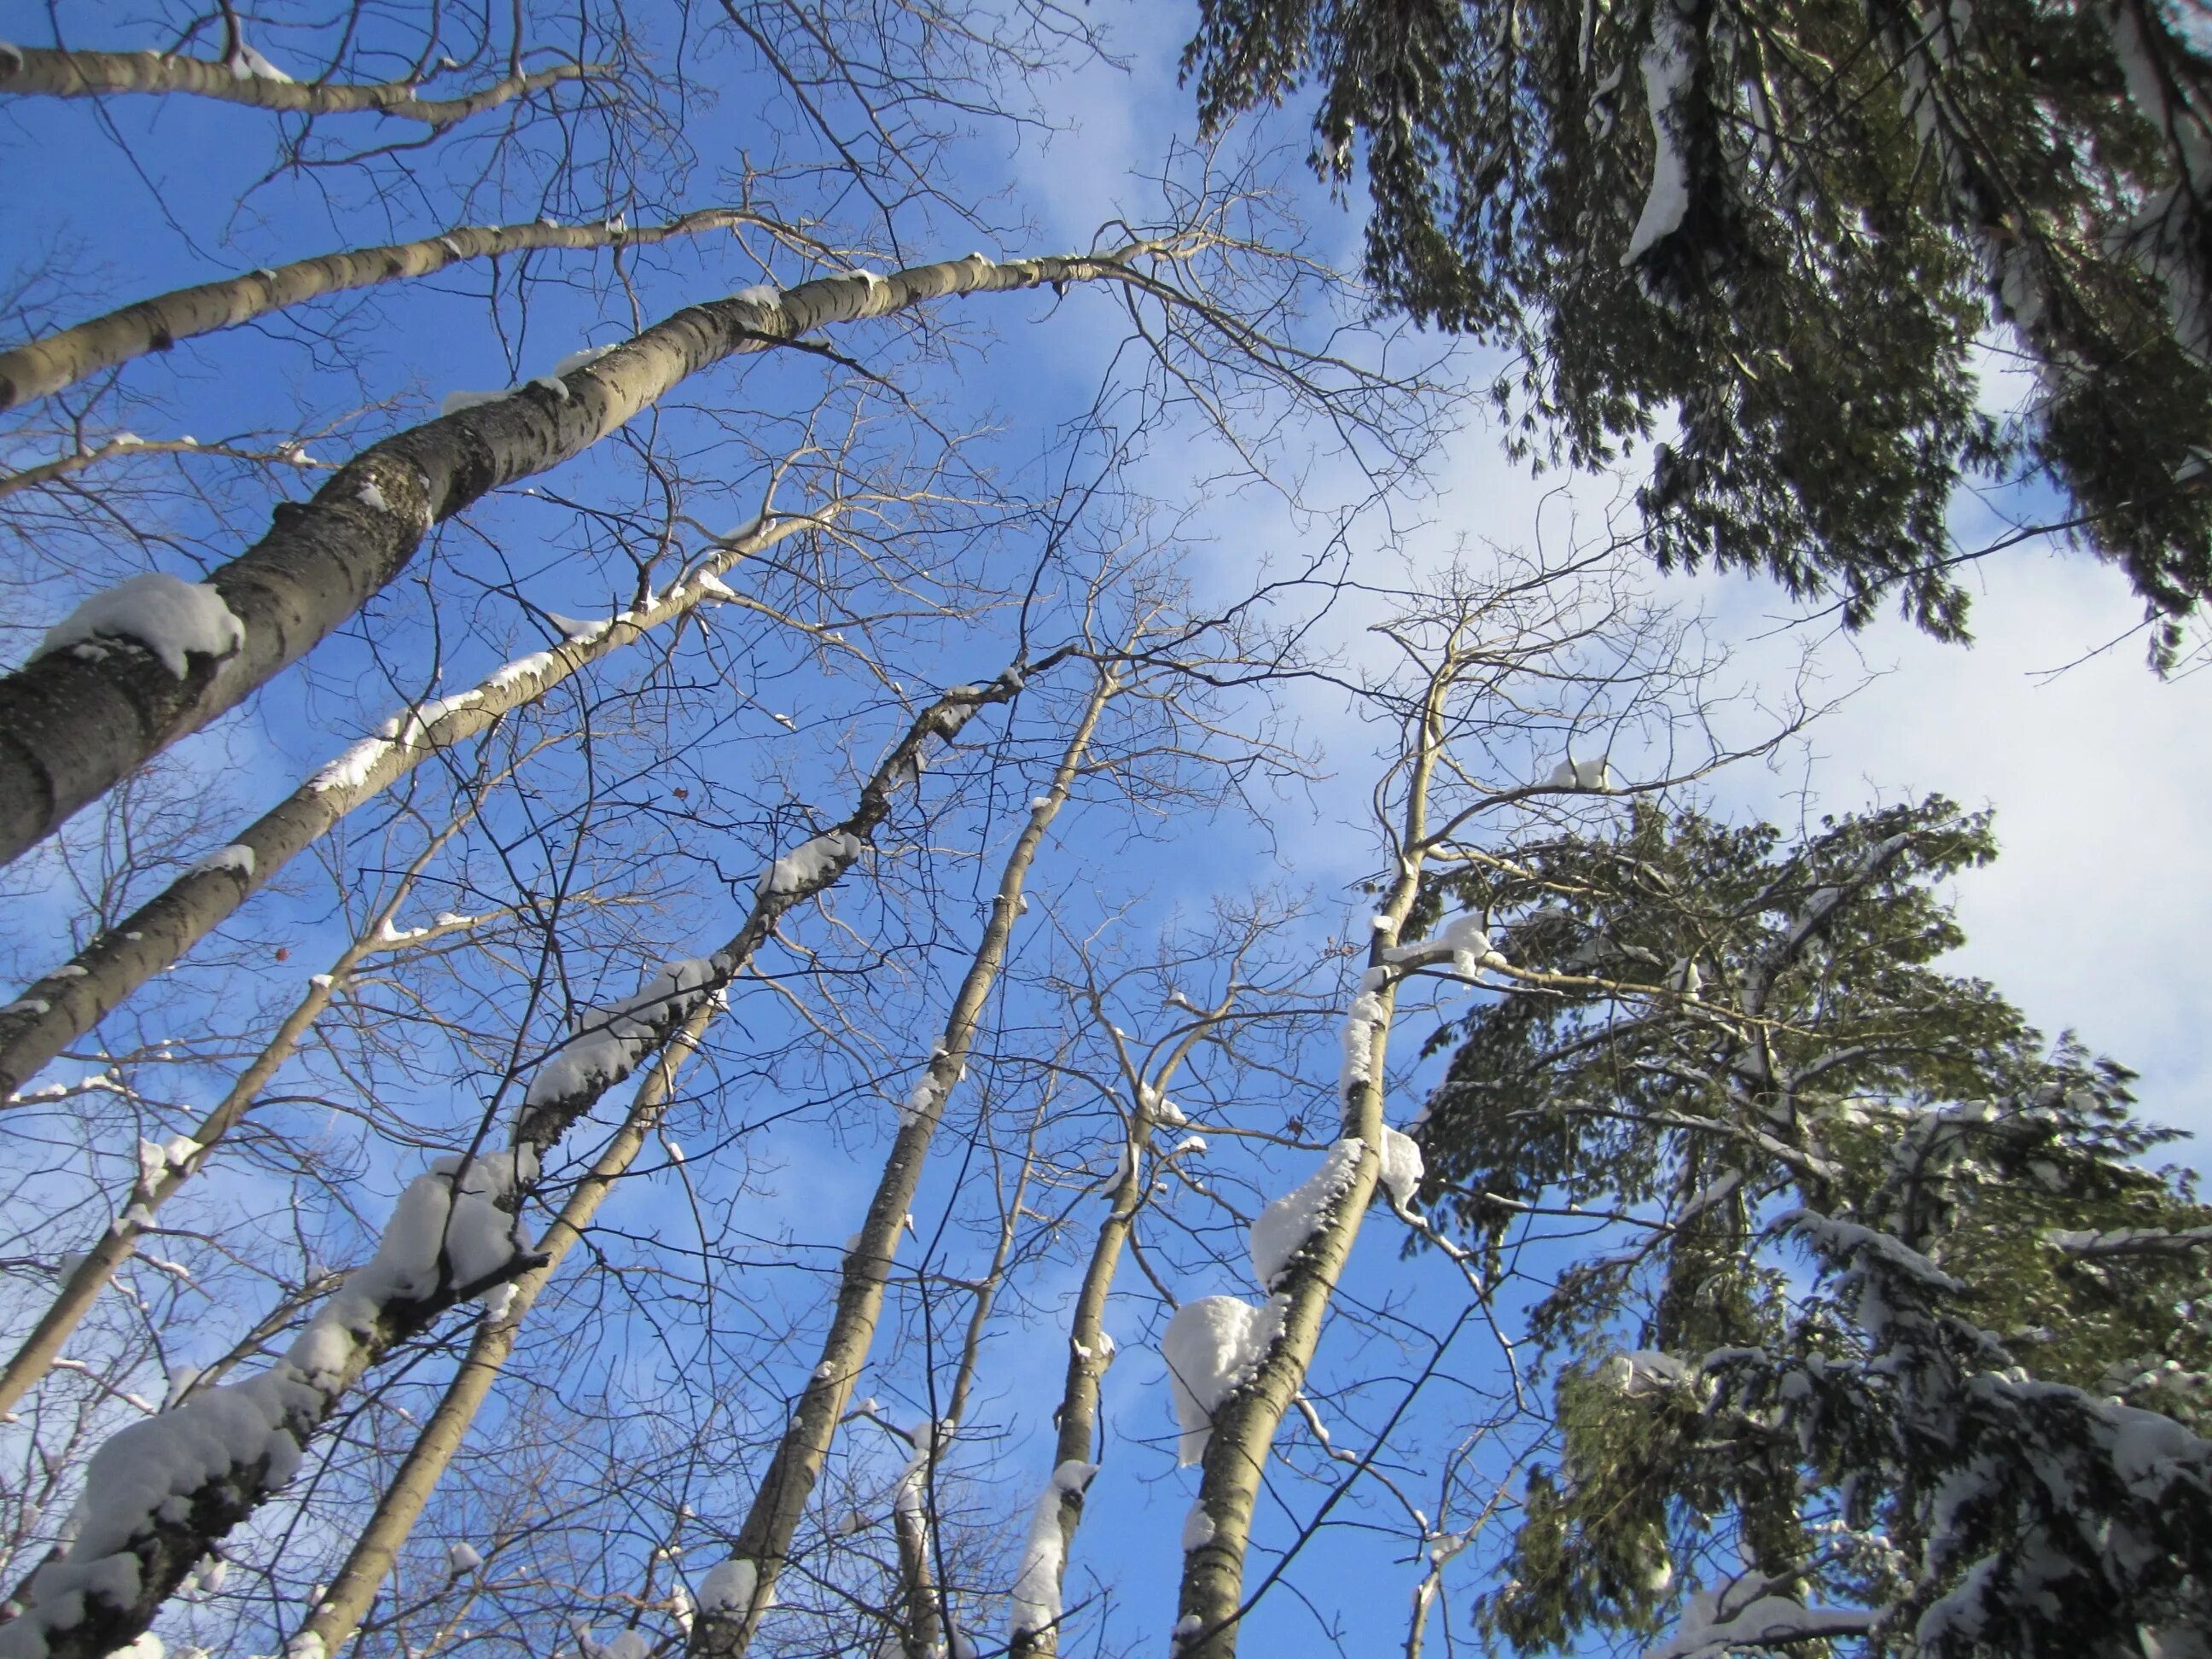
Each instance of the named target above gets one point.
<point>40,367</point>
<point>119,1242</point>
<point>74,997</point>
<point>74,720</point>
<point>337,1616</point>
<point>159,1494</point>
<point>730,1610</point>
<point>1089,1350</point>
<point>43,71</point>
<point>1245,1422</point>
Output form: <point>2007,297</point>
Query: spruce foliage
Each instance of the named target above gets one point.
<point>1782,226</point>
<point>1908,1333</point>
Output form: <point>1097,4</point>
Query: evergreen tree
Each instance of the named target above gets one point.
<point>1783,227</point>
<point>1977,1431</point>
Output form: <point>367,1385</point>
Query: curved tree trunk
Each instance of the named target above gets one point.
<point>74,721</point>
<point>43,71</point>
<point>76,996</point>
<point>42,366</point>
<point>724,1630</point>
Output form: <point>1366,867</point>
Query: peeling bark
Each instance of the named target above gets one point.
<point>74,722</point>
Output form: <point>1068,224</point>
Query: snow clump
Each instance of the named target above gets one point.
<point>170,617</point>
<point>610,1041</point>
<point>1036,1587</point>
<point>1285,1225</point>
<point>1211,1347</point>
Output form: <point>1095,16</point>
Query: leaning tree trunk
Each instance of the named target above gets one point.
<point>155,1186</point>
<point>1245,1421</point>
<point>71,999</point>
<point>40,367</point>
<point>1038,1593</point>
<point>75,721</point>
<point>43,71</point>
<point>337,1616</point>
<point>742,1589</point>
<point>226,1452</point>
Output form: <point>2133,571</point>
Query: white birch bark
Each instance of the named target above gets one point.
<point>725,1629</point>
<point>75,996</point>
<point>75,721</point>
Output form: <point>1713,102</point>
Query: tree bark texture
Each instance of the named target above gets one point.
<point>44,71</point>
<point>765,1536</point>
<point>76,721</point>
<point>74,997</point>
<point>40,367</point>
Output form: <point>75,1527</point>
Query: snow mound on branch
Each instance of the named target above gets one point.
<point>447,1229</point>
<point>728,1588</point>
<point>170,617</point>
<point>1036,1587</point>
<point>1645,1370</point>
<point>1667,66</point>
<point>1571,773</point>
<point>462,1558</point>
<point>1211,1347</point>
<point>246,63</point>
<point>1197,1529</point>
<point>1285,1225</point>
<point>1361,1023</point>
<point>807,864</point>
<point>610,1041</point>
<point>1403,1166</point>
<point>1710,1625</point>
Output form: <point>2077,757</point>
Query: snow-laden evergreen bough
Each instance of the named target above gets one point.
<point>159,1494</point>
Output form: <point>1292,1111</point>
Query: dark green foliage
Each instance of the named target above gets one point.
<point>1748,1043</point>
<point>1867,185</point>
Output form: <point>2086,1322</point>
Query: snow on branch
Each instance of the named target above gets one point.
<point>173,618</point>
<point>1283,1227</point>
<point>1212,1346</point>
<point>1037,1604</point>
<point>159,1494</point>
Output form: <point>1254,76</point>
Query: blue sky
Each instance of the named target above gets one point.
<point>2093,919</point>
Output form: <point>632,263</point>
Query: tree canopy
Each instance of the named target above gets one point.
<point>1772,235</point>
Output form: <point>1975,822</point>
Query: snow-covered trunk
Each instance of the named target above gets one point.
<point>75,996</point>
<point>159,1495</point>
<point>40,367</point>
<point>337,1615</point>
<point>1245,1420</point>
<point>163,1171</point>
<point>42,72</point>
<point>725,1625</point>
<point>1037,1598</point>
<point>74,720</point>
